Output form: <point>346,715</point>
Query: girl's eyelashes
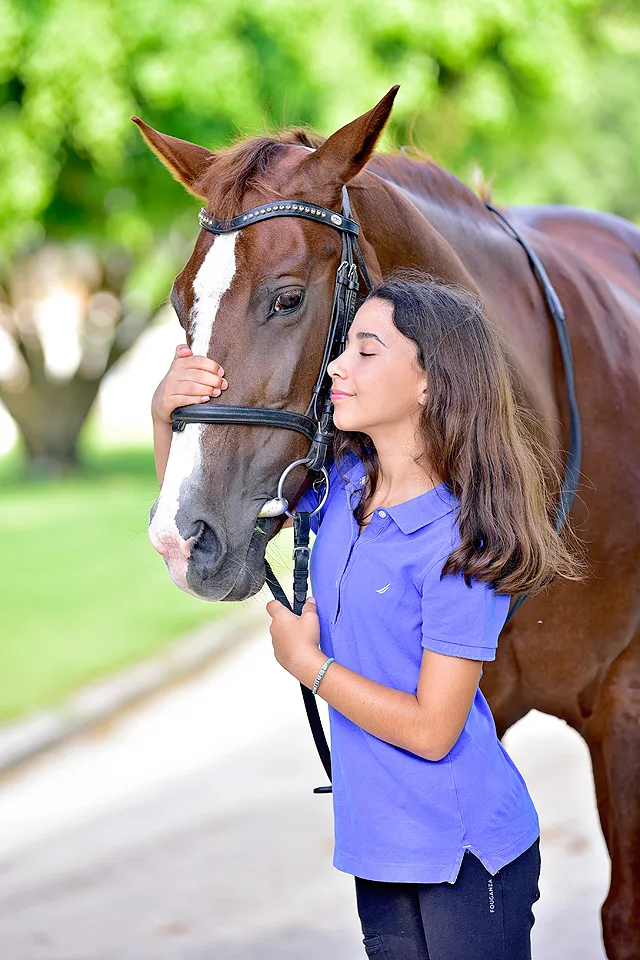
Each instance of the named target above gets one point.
<point>347,343</point>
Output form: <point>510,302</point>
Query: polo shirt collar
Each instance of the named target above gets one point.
<point>419,511</point>
<point>415,513</point>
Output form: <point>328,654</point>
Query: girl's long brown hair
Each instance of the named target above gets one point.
<point>478,441</point>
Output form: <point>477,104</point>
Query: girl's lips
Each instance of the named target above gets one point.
<point>341,396</point>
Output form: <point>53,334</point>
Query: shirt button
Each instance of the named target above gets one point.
<point>381,513</point>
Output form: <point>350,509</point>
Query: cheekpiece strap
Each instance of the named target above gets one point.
<point>285,208</point>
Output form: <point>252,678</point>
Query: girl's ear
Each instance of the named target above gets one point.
<point>423,391</point>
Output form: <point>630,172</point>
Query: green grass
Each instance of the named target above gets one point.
<point>83,592</point>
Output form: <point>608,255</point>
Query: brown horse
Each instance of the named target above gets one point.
<point>573,651</point>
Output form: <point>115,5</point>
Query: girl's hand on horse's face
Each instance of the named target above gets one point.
<point>295,638</point>
<point>191,379</point>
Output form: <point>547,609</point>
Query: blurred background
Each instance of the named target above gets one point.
<point>538,97</point>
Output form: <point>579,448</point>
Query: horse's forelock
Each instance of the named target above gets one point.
<point>247,165</point>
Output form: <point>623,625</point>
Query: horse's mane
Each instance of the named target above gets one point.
<point>246,164</point>
<point>442,186</point>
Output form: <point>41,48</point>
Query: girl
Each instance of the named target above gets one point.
<point>439,509</point>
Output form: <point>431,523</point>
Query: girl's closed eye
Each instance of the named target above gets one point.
<point>367,354</point>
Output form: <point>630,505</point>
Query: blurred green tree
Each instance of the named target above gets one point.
<point>538,93</point>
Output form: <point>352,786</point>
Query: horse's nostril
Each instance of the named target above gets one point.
<point>152,512</point>
<point>207,552</point>
<point>204,539</point>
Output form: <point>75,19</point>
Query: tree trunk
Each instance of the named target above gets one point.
<point>49,409</point>
<point>50,417</point>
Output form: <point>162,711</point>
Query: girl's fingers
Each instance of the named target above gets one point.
<point>203,363</point>
<point>185,401</point>
<point>188,388</point>
<point>178,400</point>
<point>203,378</point>
<point>183,352</point>
<point>191,389</point>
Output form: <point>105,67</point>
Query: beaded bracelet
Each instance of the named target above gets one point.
<point>321,674</point>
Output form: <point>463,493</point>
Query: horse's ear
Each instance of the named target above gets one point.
<point>185,161</point>
<point>347,150</point>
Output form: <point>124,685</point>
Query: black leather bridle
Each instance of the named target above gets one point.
<point>315,425</point>
<point>317,421</point>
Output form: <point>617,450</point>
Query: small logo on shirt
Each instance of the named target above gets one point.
<point>492,904</point>
<point>384,589</point>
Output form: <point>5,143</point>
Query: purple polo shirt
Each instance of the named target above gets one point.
<point>397,816</point>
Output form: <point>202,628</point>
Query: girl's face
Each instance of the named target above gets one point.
<point>379,371</point>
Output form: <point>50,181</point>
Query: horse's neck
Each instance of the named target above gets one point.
<point>419,214</point>
<point>407,227</point>
<point>428,185</point>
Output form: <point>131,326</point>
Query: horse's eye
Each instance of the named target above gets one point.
<point>288,300</point>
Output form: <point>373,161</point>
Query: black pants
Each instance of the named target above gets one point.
<point>479,917</point>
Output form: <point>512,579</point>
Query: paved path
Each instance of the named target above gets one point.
<point>187,830</point>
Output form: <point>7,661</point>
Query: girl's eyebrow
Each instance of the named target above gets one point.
<point>366,335</point>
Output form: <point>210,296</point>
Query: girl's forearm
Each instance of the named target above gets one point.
<point>389,714</point>
<point>161,443</point>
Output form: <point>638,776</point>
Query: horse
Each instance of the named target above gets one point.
<point>572,651</point>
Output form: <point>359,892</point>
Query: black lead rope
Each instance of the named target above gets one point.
<point>301,553</point>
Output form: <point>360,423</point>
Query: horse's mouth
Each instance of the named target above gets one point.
<point>191,575</point>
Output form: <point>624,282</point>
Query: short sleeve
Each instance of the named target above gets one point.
<point>458,620</point>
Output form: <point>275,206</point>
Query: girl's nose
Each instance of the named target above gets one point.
<point>335,367</point>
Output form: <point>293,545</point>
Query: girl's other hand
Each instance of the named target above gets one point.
<point>295,639</point>
<point>190,379</point>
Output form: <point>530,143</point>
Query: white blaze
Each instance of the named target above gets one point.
<point>212,281</point>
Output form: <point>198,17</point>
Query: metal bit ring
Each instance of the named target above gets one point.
<point>281,485</point>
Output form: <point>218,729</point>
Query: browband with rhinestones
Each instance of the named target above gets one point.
<point>290,208</point>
